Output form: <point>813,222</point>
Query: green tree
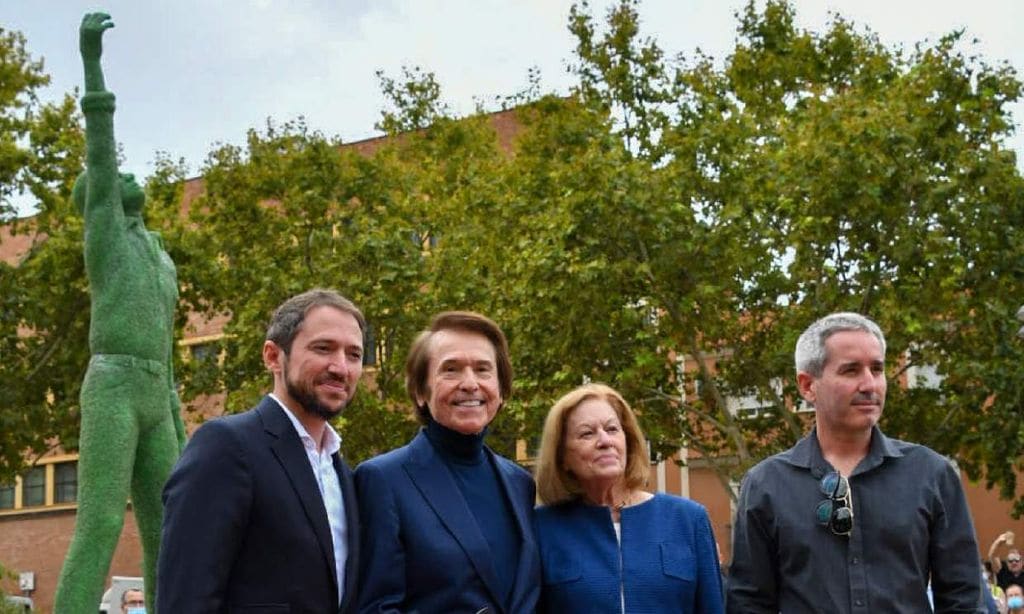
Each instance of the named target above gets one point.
<point>669,227</point>
<point>44,320</point>
<point>399,230</point>
<point>286,213</point>
<point>812,172</point>
<point>669,212</point>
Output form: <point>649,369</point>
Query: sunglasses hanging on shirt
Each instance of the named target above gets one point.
<point>836,512</point>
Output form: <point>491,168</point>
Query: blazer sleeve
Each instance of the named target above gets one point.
<point>382,554</point>
<point>206,505</point>
<point>709,596</point>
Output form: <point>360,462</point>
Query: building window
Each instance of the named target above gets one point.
<point>924,376</point>
<point>756,402</point>
<point>33,487</point>
<point>7,497</point>
<point>653,455</point>
<point>205,352</point>
<point>65,477</point>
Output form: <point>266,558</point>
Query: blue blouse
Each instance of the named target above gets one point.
<point>667,562</point>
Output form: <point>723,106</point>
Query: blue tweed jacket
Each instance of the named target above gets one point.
<point>668,559</point>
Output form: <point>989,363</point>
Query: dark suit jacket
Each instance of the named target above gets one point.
<point>422,548</point>
<point>245,528</point>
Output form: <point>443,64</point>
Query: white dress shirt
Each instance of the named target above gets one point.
<point>322,464</point>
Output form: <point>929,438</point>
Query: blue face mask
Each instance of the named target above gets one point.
<point>1015,602</point>
<point>136,610</point>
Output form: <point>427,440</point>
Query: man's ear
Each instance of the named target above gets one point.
<point>805,383</point>
<point>273,357</point>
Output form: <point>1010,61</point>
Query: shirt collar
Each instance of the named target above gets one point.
<point>807,453</point>
<point>331,439</point>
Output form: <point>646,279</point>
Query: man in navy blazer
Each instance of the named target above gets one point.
<point>260,512</point>
<point>446,521</point>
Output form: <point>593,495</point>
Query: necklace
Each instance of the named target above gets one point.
<point>625,502</point>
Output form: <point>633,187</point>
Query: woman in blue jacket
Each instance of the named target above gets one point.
<point>607,545</point>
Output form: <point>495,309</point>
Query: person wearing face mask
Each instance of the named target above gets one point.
<point>133,601</point>
<point>1014,599</point>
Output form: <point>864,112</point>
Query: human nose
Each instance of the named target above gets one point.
<point>604,439</point>
<point>468,381</point>
<point>338,364</point>
<point>869,380</point>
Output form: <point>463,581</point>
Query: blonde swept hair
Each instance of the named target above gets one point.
<point>555,483</point>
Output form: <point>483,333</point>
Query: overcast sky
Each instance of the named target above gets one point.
<point>192,73</point>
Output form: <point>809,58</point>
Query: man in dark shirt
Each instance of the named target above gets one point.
<point>1010,573</point>
<point>848,520</point>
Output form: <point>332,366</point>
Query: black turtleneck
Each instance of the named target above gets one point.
<point>455,446</point>
<point>477,480</point>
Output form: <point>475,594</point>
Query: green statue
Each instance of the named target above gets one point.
<point>131,432</point>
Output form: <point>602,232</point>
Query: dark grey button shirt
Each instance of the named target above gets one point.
<point>910,520</point>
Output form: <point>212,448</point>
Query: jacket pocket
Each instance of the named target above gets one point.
<point>560,567</point>
<point>677,561</point>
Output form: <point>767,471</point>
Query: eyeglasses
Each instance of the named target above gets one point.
<point>836,512</point>
<point>1013,559</point>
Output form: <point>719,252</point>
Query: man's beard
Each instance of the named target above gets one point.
<point>308,400</point>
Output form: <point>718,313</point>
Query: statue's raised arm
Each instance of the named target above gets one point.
<point>102,209</point>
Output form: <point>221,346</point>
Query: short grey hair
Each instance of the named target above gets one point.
<point>810,355</point>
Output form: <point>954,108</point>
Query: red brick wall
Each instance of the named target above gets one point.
<point>39,541</point>
<point>707,489</point>
<point>991,517</point>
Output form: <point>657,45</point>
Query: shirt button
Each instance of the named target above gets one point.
<point>858,603</point>
<point>855,560</point>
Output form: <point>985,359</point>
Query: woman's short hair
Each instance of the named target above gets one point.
<point>417,365</point>
<point>555,483</point>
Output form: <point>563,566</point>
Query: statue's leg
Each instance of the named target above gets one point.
<point>157,453</point>
<point>106,456</point>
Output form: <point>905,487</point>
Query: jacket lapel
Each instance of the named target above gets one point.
<point>288,449</point>
<point>435,483</point>
<point>528,546</point>
<point>348,494</point>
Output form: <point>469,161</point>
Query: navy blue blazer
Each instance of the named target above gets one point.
<point>245,528</point>
<point>422,549</point>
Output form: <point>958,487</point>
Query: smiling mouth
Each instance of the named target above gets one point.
<point>471,404</point>
<point>333,384</point>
